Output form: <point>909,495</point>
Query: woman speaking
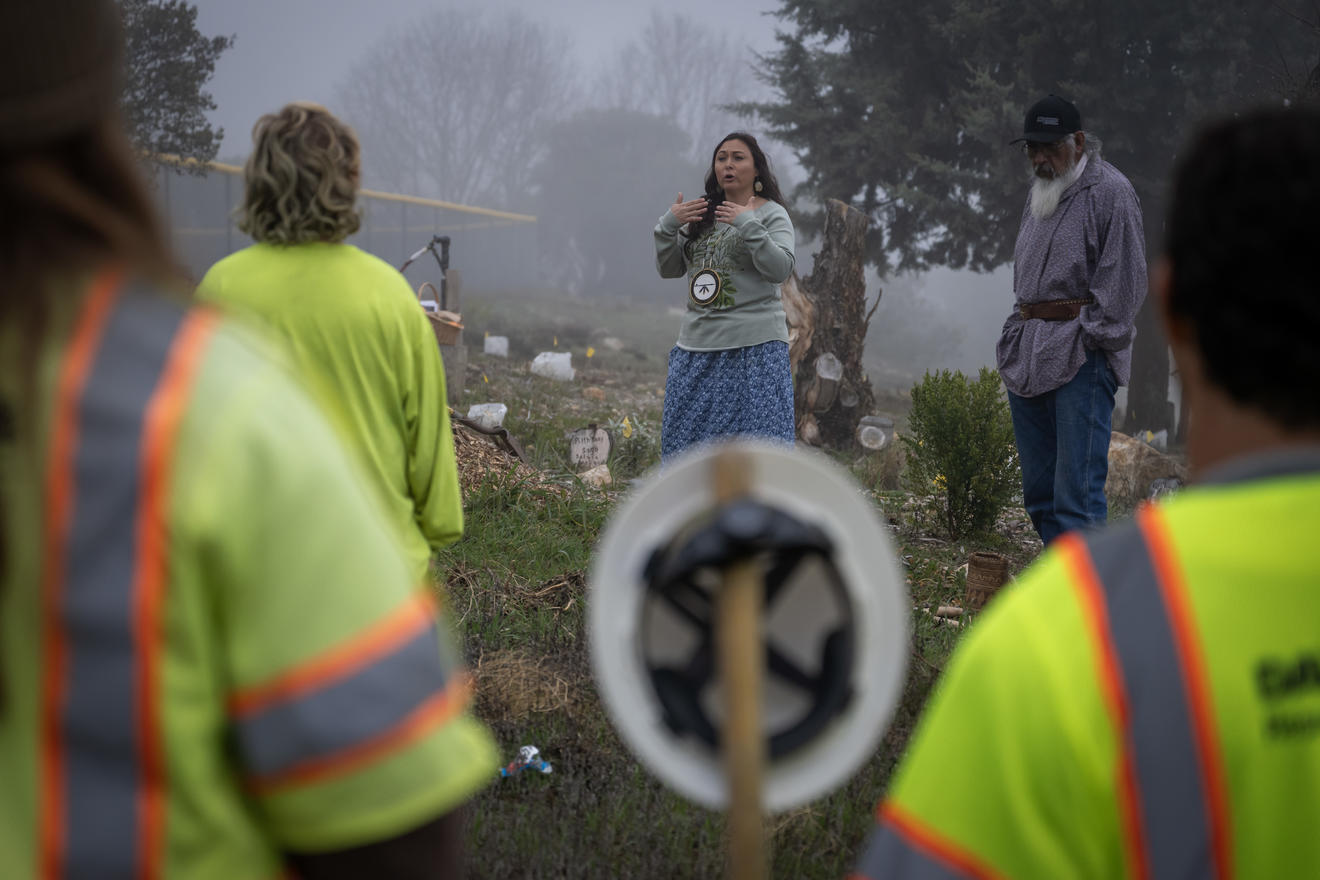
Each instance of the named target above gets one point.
<point>729,372</point>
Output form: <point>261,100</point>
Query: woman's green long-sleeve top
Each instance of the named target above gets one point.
<point>753,256</point>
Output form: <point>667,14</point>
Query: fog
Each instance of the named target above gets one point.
<point>590,116</point>
<point>303,49</point>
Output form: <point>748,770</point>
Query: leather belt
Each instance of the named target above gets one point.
<point>1054,309</point>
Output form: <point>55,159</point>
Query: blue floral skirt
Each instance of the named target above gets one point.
<point>734,392</point>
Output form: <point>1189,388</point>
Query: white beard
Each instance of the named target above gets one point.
<point>1045,194</point>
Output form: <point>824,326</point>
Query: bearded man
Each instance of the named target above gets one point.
<point>1079,277</point>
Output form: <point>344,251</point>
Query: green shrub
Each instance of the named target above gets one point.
<point>960,450</point>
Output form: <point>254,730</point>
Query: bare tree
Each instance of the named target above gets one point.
<point>606,176</point>
<point>1300,85</point>
<point>679,69</point>
<point>451,106</point>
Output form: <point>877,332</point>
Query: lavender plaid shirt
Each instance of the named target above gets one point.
<point>1092,243</point>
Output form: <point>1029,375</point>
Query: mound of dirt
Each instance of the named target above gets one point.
<point>480,454</point>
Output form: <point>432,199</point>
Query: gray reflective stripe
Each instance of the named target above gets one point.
<point>1170,790</point>
<point>346,713</point>
<point>889,854</point>
<point>99,726</point>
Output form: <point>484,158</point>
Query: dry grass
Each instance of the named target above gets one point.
<point>515,684</point>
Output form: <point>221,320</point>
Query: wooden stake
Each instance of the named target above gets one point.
<point>739,647</point>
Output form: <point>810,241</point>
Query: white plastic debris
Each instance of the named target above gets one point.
<point>529,758</point>
<point>497,346</point>
<point>1158,440</point>
<point>488,415</point>
<point>554,365</point>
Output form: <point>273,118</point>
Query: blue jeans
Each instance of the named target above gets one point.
<point>1063,445</point>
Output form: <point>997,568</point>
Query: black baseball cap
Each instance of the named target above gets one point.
<point>1050,119</point>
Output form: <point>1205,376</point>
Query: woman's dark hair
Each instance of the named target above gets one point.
<point>715,192</point>
<point>66,207</point>
<point>1240,241</point>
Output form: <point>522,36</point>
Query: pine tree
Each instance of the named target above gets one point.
<point>905,110</point>
<point>167,65</point>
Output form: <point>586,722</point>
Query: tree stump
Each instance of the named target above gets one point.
<point>832,391</point>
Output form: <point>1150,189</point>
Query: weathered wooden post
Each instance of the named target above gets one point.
<point>740,646</point>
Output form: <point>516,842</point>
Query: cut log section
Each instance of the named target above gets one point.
<point>824,386</point>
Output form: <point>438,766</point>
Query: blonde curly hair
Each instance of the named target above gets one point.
<point>301,180</point>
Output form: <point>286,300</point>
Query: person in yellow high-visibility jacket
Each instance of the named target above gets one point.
<point>347,319</point>
<point>1145,702</point>
<point>215,659</point>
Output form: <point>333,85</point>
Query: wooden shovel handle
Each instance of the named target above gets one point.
<point>740,650</point>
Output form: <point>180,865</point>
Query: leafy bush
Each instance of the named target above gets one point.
<point>960,449</point>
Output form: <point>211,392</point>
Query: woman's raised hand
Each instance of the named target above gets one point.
<point>726,211</point>
<point>690,211</point>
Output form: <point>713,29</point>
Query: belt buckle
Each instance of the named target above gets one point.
<point>1022,310</point>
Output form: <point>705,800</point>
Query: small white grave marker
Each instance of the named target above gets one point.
<point>588,448</point>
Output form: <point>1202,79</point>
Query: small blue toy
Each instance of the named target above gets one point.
<point>529,758</point>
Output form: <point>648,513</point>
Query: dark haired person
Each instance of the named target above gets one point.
<point>349,320</point>
<point>729,373</point>
<point>1079,278</point>
<point>1146,701</point>
<point>214,661</point>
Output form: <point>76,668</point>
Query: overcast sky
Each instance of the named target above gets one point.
<point>300,49</point>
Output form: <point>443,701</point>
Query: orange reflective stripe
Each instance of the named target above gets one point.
<point>1091,599</point>
<point>1173,587</point>
<point>398,627</point>
<point>164,414</point>
<point>120,397</point>
<point>933,844</point>
<point>59,497</point>
<point>444,706</point>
